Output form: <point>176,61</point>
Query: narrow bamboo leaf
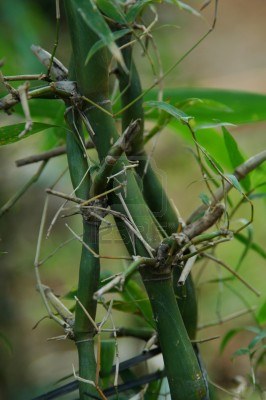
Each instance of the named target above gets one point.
<point>257,339</point>
<point>100,44</point>
<point>153,390</point>
<point>94,19</point>
<point>249,238</point>
<point>4,339</point>
<point>241,352</point>
<point>55,136</point>
<point>205,199</point>
<point>107,356</point>
<point>42,110</point>
<point>214,124</point>
<point>235,155</point>
<point>71,294</point>
<point>184,6</point>
<point>254,246</point>
<point>205,104</point>
<point>209,139</point>
<point>261,316</point>
<point>136,9</point>
<point>246,106</point>
<point>254,329</point>
<point>126,306</point>
<point>255,196</point>
<point>112,9</point>
<point>233,180</point>
<point>10,133</point>
<point>134,294</point>
<point>212,162</point>
<point>175,112</point>
<point>228,336</point>
<point>261,358</point>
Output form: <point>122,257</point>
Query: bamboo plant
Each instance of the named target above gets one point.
<point>162,247</point>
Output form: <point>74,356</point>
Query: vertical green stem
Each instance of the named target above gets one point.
<point>89,270</point>
<point>89,275</point>
<point>92,80</point>
<point>154,193</point>
<point>183,373</point>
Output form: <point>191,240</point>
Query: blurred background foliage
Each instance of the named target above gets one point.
<point>232,57</point>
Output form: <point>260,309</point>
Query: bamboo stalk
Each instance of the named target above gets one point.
<point>183,372</point>
<point>92,81</point>
<point>154,193</point>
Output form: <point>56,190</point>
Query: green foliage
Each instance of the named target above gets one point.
<point>202,117</point>
<point>6,343</point>
<point>178,114</point>
<point>240,107</point>
<point>261,315</point>
<point>101,43</point>
<point>11,133</point>
<point>95,21</point>
<point>107,356</point>
<point>235,155</point>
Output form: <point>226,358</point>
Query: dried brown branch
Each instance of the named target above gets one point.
<point>58,151</point>
<point>202,224</point>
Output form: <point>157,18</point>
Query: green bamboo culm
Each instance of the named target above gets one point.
<point>154,193</point>
<point>89,269</point>
<point>92,81</point>
<point>184,376</point>
<point>84,331</point>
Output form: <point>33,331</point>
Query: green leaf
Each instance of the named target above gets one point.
<point>256,196</point>
<point>70,295</point>
<point>135,295</point>
<point>136,9</point>
<point>241,352</point>
<point>209,125</point>
<point>184,6</point>
<point>249,238</point>
<point>205,104</point>
<point>254,246</point>
<point>246,107</point>
<point>112,9</point>
<point>254,329</point>
<point>153,390</point>
<point>6,342</point>
<point>235,156</point>
<point>209,139</point>
<point>205,199</point>
<point>261,315</point>
<point>228,336</point>
<point>100,44</point>
<point>234,182</point>
<point>126,306</point>
<point>107,356</point>
<point>257,339</point>
<point>212,162</point>
<point>42,110</point>
<point>96,22</point>
<point>10,133</point>
<point>175,112</point>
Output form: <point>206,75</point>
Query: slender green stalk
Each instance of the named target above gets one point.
<point>184,377</point>
<point>89,270</point>
<point>154,193</point>
<point>89,275</point>
<point>92,81</point>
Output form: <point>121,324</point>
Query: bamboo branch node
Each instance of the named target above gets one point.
<point>97,214</point>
